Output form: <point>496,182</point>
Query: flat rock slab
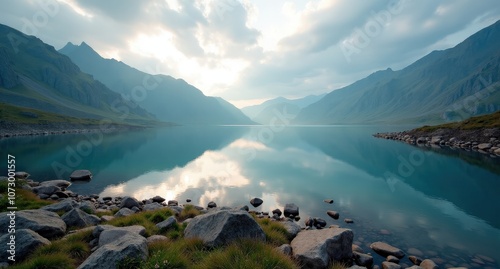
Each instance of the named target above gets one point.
<point>138,229</point>
<point>81,175</point>
<point>78,218</point>
<point>385,250</point>
<point>221,227</point>
<point>62,206</point>
<point>316,248</point>
<point>61,183</point>
<point>47,224</point>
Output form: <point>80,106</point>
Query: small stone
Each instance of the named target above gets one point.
<point>385,250</point>
<point>428,264</point>
<point>212,205</point>
<point>415,252</point>
<point>390,265</point>
<point>328,201</point>
<point>319,223</point>
<point>158,199</point>
<point>393,259</point>
<point>172,203</point>
<point>188,200</point>
<point>333,214</point>
<point>348,221</point>
<point>167,224</point>
<point>157,238</point>
<point>256,202</point>
<point>285,249</point>
<point>415,260</point>
<point>291,209</point>
<point>81,175</point>
<point>363,259</point>
<point>277,212</point>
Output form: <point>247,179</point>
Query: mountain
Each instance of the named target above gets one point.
<point>265,112</point>
<point>169,99</point>
<point>34,75</point>
<point>446,85</point>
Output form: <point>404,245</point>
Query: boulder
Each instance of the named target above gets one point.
<point>26,241</point>
<point>78,218</point>
<point>385,250</point>
<point>61,183</point>
<point>129,202</point>
<point>138,229</point>
<point>316,248</point>
<point>128,246</point>
<point>292,228</point>
<point>333,214</point>
<point>124,212</point>
<point>47,224</point>
<point>390,265</point>
<point>151,207</point>
<point>87,206</point>
<point>291,209</point>
<point>277,212</point>
<point>222,227</point>
<point>157,238</point>
<point>256,202</point>
<point>47,190</point>
<point>21,175</point>
<point>428,264</point>
<point>212,204</point>
<point>363,259</point>
<point>62,206</point>
<point>167,224</point>
<point>285,249</point>
<point>81,175</point>
<point>158,199</point>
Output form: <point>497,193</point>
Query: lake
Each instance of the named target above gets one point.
<point>436,203</point>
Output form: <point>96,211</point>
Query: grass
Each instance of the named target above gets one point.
<point>189,211</point>
<point>24,199</point>
<point>148,219</point>
<point>485,121</point>
<point>276,234</point>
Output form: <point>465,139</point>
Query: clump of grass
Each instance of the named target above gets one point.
<point>24,199</point>
<point>189,211</point>
<point>51,261</point>
<point>147,219</point>
<point>104,213</point>
<point>179,254</point>
<point>276,234</point>
<point>338,265</point>
<point>246,254</point>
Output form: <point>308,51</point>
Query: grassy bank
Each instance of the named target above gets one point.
<point>479,122</point>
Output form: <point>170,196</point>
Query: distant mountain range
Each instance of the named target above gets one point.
<point>444,85</point>
<point>169,99</point>
<point>265,112</point>
<point>34,75</point>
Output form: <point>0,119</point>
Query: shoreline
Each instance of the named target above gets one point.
<point>485,141</point>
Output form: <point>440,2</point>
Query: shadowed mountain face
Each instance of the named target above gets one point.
<point>34,75</point>
<point>445,85</point>
<point>169,99</point>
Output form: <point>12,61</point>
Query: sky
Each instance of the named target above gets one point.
<point>249,51</point>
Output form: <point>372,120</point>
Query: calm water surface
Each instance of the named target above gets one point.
<point>442,205</point>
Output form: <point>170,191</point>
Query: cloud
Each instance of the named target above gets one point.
<point>241,49</point>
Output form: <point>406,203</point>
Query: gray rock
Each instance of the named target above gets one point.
<point>135,209</point>
<point>124,212</point>
<point>211,205</point>
<point>63,184</point>
<point>291,209</point>
<point>129,202</point>
<point>61,194</point>
<point>21,175</point>
<point>47,190</point>
<point>157,238</point>
<point>393,259</point>
<point>356,248</point>
<point>127,246</point>
<point>484,146</point>
<point>173,203</point>
<point>319,223</point>
<point>292,228</point>
<point>390,265</point>
<point>385,250</point>
<point>62,206</point>
<point>47,224</point>
<point>78,218</point>
<point>81,175</point>
<point>316,248</point>
<point>363,259</point>
<point>348,221</point>
<point>277,212</point>
<point>428,264</point>
<point>223,227</point>
<point>140,230</point>
<point>309,222</point>
<point>158,199</point>
<point>167,224</point>
<point>107,218</point>
<point>328,201</point>
<point>88,207</point>
<point>333,214</point>
<point>151,207</point>
<point>418,267</point>
<point>256,202</point>
<point>415,260</point>
<point>285,249</point>
<point>245,208</point>
<point>26,241</point>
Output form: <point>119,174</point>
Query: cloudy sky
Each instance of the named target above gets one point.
<point>247,51</point>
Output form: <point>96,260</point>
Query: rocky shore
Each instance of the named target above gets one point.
<point>312,245</point>
<point>11,129</point>
<point>485,141</point>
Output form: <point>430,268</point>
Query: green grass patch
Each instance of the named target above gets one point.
<point>24,199</point>
<point>485,121</point>
<point>189,211</point>
<point>276,234</point>
<point>148,219</point>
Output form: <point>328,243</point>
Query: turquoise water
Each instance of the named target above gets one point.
<point>444,206</point>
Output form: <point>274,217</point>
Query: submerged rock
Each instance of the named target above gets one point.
<point>333,214</point>
<point>385,250</point>
<point>81,175</point>
<point>291,209</point>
